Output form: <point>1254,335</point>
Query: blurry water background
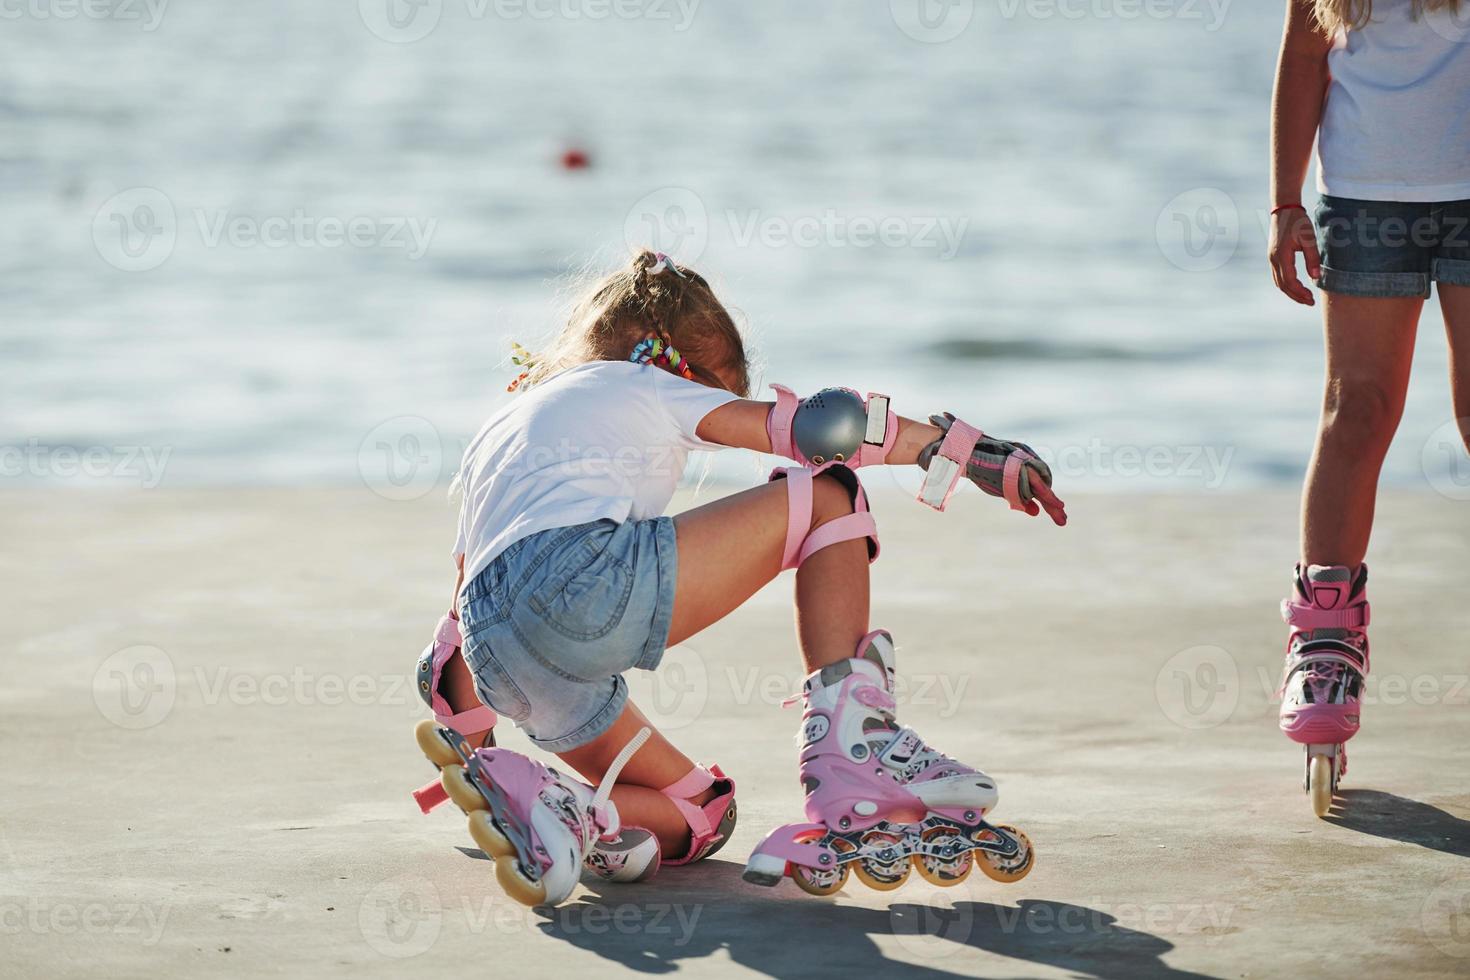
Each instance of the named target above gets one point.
<point>1047,215</point>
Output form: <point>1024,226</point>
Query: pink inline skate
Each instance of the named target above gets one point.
<point>540,827</point>
<point>881,801</point>
<point>1326,664</point>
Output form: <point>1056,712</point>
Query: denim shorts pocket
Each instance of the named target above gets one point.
<point>483,604</point>
<point>496,688</point>
<point>586,599</point>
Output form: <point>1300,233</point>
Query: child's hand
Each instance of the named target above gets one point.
<point>987,470</point>
<point>1292,232</point>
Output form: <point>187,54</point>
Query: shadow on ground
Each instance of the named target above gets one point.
<point>691,917</point>
<point>1399,818</point>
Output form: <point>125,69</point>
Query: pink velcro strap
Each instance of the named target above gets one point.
<point>949,464</point>
<point>778,423</point>
<point>1011,480</point>
<point>448,639</point>
<point>695,781</point>
<point>1308,617</point>
<point>848,528</point>
<point>881,434</point>
<point>799,510</point>
<point>448,632</point>
<point>476,719</point>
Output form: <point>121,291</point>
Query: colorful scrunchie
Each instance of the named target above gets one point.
<point>651,350</point>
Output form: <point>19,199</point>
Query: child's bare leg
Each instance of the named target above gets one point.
<point>457,686</point>
<point>1370,345</point>
<point>657,764</point>
<point>728,550</point>
<point>731,547</point>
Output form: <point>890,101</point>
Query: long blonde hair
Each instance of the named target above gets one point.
<point>653,298</point>
<point>1336,15</point>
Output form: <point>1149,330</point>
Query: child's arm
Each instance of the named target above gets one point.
<point>1296,112</point>
<point>742,425</point>
<point>945,447</point>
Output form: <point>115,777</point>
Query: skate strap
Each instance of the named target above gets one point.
<point>801,541</point>
<point>949,463</point>
<point>709,822</point>
<point>874,697</point>
<point>1326,657</point>
<point>901,751</point>
<point>603,812</point>
<point>447,642</point>
<point>1306,616</point>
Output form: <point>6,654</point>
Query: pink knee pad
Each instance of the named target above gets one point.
<point>710,824</point>
<point>801,541</point>
<point>446,644</point>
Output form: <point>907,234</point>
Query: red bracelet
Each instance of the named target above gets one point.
<point>1286,207</point>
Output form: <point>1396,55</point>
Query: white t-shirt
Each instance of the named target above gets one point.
<point>1396,126</point>
<point>602,440</point>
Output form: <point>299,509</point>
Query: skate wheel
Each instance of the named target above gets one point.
<point>879,875</point>
<point>1319,784</point>
<point>517,885</point>
<point>433,745</point>
<point>494,843</point>
<point>997,867</point>
<point>944,872</point>
<point>457,784</point>
<point>819,883</point>
<point>822,881</point>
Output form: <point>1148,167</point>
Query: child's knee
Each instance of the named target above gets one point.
<point>830,497</point>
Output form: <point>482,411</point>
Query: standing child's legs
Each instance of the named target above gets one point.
<point>1370,346</point>
<point>1454,302</point>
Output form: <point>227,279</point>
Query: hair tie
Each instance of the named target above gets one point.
<point>664,262</point>
<point>521,358</point>
<point>651,350</point>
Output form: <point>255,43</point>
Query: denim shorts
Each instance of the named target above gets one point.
<point>1392,248</point>
<point>557,617</point>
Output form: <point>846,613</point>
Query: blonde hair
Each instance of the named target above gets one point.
<point>1344,15</point>
<point>650,298</point>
